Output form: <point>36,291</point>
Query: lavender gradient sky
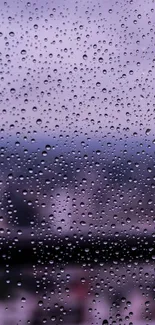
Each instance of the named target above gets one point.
<point>84,38</point>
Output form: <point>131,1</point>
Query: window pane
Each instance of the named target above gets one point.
<point>77,170</point>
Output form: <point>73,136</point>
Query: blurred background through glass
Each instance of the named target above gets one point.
<point>77,172</point>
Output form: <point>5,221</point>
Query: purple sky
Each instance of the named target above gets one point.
<point>95,45</point>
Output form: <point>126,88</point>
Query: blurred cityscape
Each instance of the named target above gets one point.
<point>79,191</point>
<point>113,294</point>
<point>87,194</point>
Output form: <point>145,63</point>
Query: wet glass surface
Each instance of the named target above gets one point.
<point>77,171</point>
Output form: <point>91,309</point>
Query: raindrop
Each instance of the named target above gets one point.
<point>147,132</point>
<point>85,57</point>
<point>39,121</point>
<point>105,322</point>
<point>23,52</point>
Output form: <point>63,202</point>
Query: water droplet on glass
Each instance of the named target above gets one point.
<point>39,121</point>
